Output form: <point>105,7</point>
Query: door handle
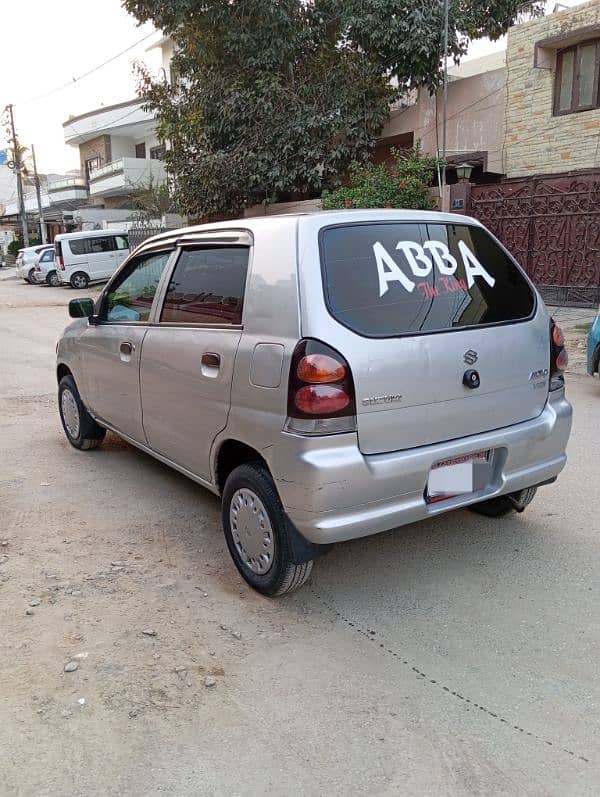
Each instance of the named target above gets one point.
<point>211,360</point>
<point>210,364</point>
<point>126,348</point>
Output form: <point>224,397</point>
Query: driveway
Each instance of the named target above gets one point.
<point>457,656</point>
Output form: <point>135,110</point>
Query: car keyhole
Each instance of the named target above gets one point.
<point>471,379</point>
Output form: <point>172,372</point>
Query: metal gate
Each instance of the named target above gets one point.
<point>138,235</point>
<point>552,226</point>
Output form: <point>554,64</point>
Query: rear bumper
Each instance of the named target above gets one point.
<point>332,492</point>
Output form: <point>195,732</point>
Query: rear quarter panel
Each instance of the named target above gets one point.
<point>271,316</point>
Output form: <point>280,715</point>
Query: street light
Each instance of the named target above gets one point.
<point>464,171</point>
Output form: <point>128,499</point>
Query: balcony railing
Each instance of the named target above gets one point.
<point>114,167</point>
<point>121,176</point>
<point>68,182</point>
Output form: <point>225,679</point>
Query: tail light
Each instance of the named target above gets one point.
<point>321,397</point>
<point>559,357</point>
<point>59,255</point>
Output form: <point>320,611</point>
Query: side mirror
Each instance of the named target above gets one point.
<point>81,308</point>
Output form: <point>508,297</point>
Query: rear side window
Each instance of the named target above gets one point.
<point>91,246</point>
<point>207,286</point>
<point>78,246</point>
<point>385,280</point>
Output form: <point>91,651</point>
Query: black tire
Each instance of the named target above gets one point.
<point>52,279</point>
<point>283,575</point>
<point>30,276</point>
<point>505,504</point>
<point>87,434</point>
<point>79,280</point>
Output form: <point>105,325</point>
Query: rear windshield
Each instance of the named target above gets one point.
<point>383,280</point>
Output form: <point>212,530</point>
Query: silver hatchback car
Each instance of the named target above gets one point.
<point>329,375</point>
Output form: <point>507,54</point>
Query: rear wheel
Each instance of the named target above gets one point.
<point>52,279</point>
<point>506,504</point>
<point>81,429</point>
<point>79,280</point>
<point>256,531</point>
<point>30,276</point>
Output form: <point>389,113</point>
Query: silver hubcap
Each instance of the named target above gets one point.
<point>79,282</point>
<point>54,280</point>
<point>252,531</point>
<point>70,413</point>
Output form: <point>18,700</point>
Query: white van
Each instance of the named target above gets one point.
<point>84,257</point>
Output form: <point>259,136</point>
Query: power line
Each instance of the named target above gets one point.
<point>85,74</point>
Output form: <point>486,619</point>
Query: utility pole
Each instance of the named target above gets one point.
<point>445,117</point>
<point>38,193</point>
<point>18,172</point>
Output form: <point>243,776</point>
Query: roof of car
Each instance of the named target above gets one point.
<point>36,248</point>
<point>90,234</point>
<point>328,217</point>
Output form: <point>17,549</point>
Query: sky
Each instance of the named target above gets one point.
<point>60,40</point>
<point>44,44</point>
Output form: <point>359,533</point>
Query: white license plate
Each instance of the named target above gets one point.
<point>454,476</point>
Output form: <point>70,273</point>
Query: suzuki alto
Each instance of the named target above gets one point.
<point>329,375</point>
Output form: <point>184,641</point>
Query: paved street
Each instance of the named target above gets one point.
<point>457,656</point>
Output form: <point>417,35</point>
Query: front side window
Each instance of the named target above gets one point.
<point>577,70</point>
<point>386,280</point>
<point>207,286</point>
<point>47,256</point>
<point>121,242</point>
<point>131,295</point>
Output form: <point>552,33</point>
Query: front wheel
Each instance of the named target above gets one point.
<point>81,429</point>
<point>505,504</point>
<point>52,279</point>
<point>256,531</point>
<point>79,280</point>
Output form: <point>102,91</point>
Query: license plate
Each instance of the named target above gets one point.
<point>454,476</point>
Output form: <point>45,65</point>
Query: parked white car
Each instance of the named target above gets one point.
<point>25,262</point>
<point>84,257</point>
<point>45,268</point>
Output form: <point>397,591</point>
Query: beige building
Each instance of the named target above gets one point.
<point>532,110</point>
<point>552,120</point>
<point>476,102</point>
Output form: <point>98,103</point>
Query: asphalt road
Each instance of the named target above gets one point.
<point>457,656</point>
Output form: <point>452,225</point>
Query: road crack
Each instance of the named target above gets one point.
<point>372,636</point>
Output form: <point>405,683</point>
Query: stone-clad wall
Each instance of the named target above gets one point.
<point>535,141</point>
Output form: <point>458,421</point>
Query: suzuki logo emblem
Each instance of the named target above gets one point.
<point>470,357</point>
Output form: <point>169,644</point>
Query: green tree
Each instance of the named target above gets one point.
<point>151,200</point>
<point>276,98</point>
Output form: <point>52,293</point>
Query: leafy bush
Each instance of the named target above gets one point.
<point>405,184</point>
<point>14,246</point>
